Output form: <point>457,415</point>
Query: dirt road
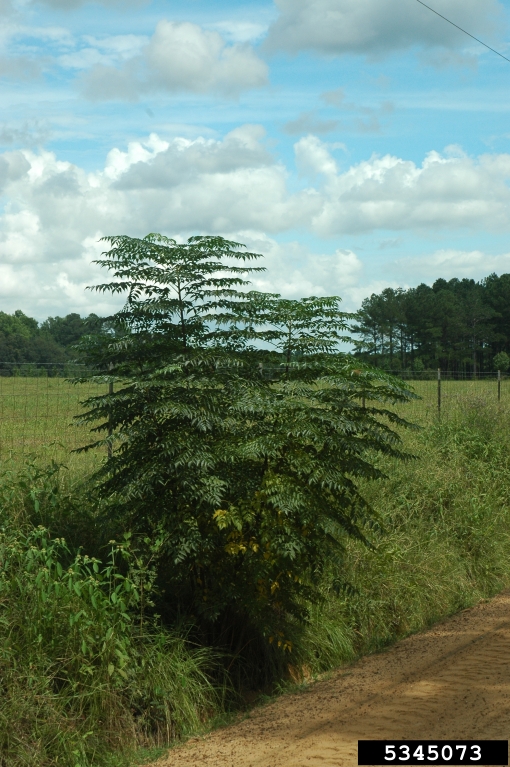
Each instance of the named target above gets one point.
<point>452,681</point>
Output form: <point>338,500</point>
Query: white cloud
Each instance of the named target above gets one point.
<point>335,27</point>
<point>313,157</point>
<point>13,166</point>
<point>54,212</point>
<point>449,263</point>
<point>295,271</point>
<point>391,193</point>
<point>180,56</point>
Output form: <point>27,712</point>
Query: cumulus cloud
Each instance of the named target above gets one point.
<point>446,191</point>
<point>449,263</point>
<point>13,166</point>
<point>180,56</point>
<point>54,212</point>
<point>376,27</point>
<point>295,271</point>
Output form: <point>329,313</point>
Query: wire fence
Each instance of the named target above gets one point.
<point>442,393</point>
<point>37,409</point>
<point>38,404</point>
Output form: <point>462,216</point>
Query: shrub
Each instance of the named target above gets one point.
<point>83,669</point>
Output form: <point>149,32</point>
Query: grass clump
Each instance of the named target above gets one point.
<point>84,672</point>
<point>445,543</point>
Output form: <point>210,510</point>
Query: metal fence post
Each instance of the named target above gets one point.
<point>110,430</point>
<point>439,392</point>
<point>499,385</point>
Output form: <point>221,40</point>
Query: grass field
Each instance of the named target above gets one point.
<point>454,394</point>
<point>36,417</point>
<point>36,414</point>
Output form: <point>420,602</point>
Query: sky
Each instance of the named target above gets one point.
<point>355,144</point>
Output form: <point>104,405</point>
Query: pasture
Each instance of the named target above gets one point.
<point>36,418</point>
<point>37,413</point>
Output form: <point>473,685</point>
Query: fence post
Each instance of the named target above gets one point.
<point>439,392</point>
<point>499,385</point>
<point>110,430</point>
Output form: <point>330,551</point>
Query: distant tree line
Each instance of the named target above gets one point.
<point>457,325</point>
<point>460,326</point>
<point>25,341</point>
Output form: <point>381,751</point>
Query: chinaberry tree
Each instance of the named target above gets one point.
<point>252,479</point>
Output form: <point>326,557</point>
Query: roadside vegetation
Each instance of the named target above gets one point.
<point>265,512</point>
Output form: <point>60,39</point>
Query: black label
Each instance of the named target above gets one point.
<point>417,752</point>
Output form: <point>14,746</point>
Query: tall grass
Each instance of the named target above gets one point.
<point>445,545</point>
<point>84,672</point>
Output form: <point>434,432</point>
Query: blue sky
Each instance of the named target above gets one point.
<point>355,143</point>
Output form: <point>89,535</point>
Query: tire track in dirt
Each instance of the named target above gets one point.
<point>452,681</point>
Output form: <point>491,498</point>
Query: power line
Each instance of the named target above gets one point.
<point>463,30</point>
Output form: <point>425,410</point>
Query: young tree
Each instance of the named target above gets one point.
<point>252,482</point>
<point>502,362</point>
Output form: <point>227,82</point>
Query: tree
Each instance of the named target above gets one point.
<point>251,482</point>
<point>456,324</point>
<point>502,362</point>
<point>68,330</point>
<point>22,341</point>
<point>296,329</point>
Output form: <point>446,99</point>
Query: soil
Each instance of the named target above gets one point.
<point>450,682</point>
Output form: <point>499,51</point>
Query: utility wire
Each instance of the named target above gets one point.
<point>462,30</point>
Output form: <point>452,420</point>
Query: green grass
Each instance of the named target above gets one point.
<point>36,414</point>
<point>446,539</point>
<point>445,545</point>
<point>88,678</point>
<point>425,410</point>
<point>36,418</point>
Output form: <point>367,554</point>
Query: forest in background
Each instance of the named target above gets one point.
<point>458,325</point>
<point>23,340</point>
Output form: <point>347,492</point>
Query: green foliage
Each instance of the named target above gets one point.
<point>68,330</point>
<point>24,342</point>
<point>171,290</point>
<point>86,670</point>
<point>83,669</point>
<point>21,341</point>
<point>502,361</point>
<point>445,546</point>
<point>251,480</point>
<point>458,325</point>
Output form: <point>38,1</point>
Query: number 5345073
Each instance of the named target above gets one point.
<point>431,753</point>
